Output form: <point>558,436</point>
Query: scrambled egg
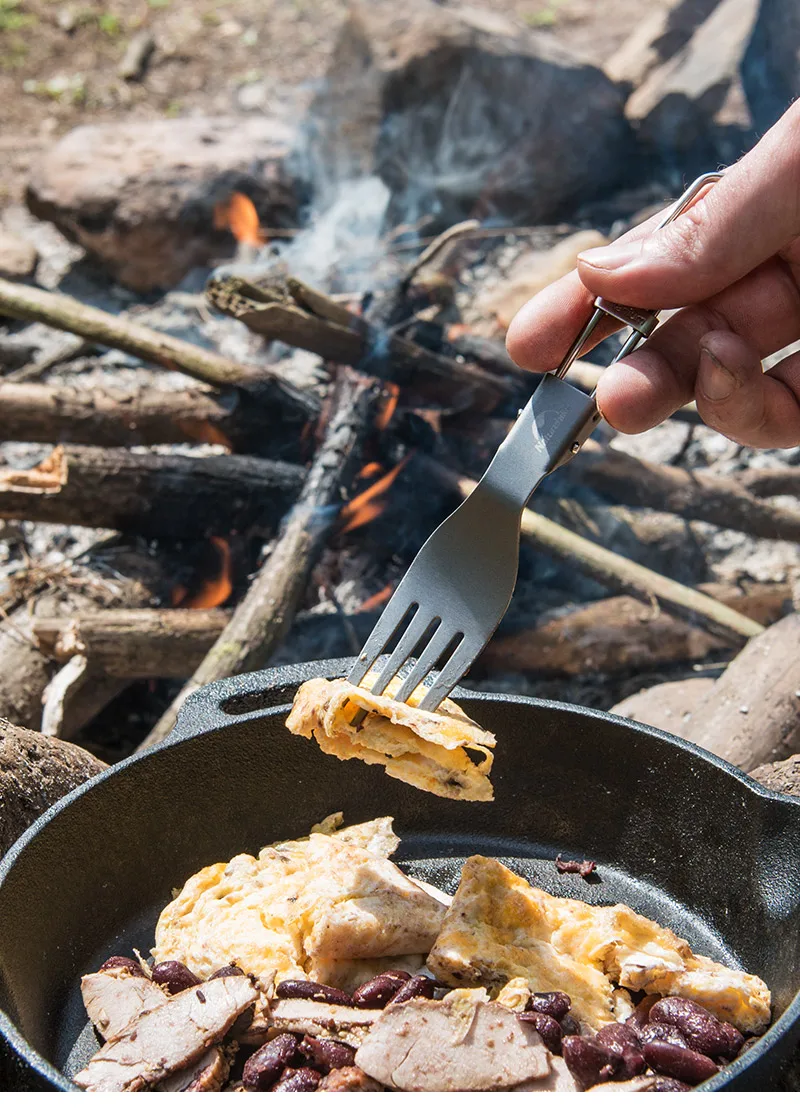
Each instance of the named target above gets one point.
<point>499,928</point>
<point>299,907</point>
<point>429,750</point>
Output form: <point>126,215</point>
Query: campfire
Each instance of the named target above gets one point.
<point>230,425</point>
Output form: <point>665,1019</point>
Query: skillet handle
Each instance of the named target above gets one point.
<point>248,697</point>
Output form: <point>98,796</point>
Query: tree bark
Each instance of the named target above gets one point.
<point>108,417</point>
<point>35,771</point>
<point>622,633</point>
<point>155,495</point>
<point>260,621</point>
<point>135,643</point>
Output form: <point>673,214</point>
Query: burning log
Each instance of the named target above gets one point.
<point>621,575</point>
<point>35,771</point>
<point>621,633</point>
<point>112,331</point>
<point>91,416</point>
<point>260,621</point>
<point>152,494</point>
<point>722,501</point>
<point>75,695</point>
<point>290,311</point>
<point>134,643</point>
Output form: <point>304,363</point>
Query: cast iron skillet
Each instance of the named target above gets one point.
<point>679,835</point>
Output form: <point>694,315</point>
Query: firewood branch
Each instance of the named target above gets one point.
<point>260,621</point>
<point>112,331</point>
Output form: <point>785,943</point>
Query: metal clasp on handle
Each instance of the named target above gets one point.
<point>641,322</point>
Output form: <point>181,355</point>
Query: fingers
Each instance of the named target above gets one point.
<point>746,218</point>
<point>736,398</point>
<point>543,330</point>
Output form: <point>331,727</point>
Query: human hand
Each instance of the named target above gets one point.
<point>733,262</point>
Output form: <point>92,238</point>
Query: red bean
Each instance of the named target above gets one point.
<point>588,1061</point>
<point>554,1003</point>
<point>660,1031</point>
<point>682,1064</point>
<point>319,992</point>
<point>570,1025</point>
<point>124,963</point>
<point>667,1084</point>
<point>418,987</point>
<point>624,1041</point>
<point>379,990</point>
<point>228,970</point>
<point>265,1066</point>
<point>324,1054</point>
<point>546,1027</point>
<point>174,976</point>
<point>298,1080</point>
<point>641,1013</point>
<point>703,1032</point>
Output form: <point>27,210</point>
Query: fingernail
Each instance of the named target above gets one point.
<point>717,382</point>
<point>611,257</point>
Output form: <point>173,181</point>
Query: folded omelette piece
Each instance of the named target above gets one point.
<point>500,928</point>
<point>443,752</point>
<point>299,907</point>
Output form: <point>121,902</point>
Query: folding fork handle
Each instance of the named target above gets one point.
<point>549,431</point>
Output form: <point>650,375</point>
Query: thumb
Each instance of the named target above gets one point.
<point>742,220</point>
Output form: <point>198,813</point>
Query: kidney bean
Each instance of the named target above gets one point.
<point>174,976</point>
<point>319,992</point>
<point>298,1080</point>
<point>418,987</point>
<point>660,1031</point>
<point>554,1003</point>
<point>546,1027</point>
<point>624,1041</point>
<point>324,1054</point>
<point>569,1024</point>
<point>683,1064</point>
<point>398,972</point>
<point>588,1061</point>
<point>122,962</point>
<point>703,1032</point>
<point>265,1066</point>
<point>377,992</point>
<point>667,1084</point>
<point>735,1040</point>
<point>228,970</point>
<point>641,1013</point>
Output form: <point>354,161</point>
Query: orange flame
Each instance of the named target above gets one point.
<point>205,432</point>
<point>216,590</point>
<point>390,406</point>
<point>378,599</point>
<point>372,469</point>
<point>239,215</point>
<point>367,505</point>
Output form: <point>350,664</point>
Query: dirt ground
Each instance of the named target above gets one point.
<point>59,60</point>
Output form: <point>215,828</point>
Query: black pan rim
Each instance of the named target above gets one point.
<point>48,1072</point>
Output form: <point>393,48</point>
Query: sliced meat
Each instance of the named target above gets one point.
<point>304,1016</point>
<point>168,1038</point>
<point>349,1079</point>
<point>115,998</point>
<point>560,1079</point>
<point>210,1074</point>
<point>425,1046</point>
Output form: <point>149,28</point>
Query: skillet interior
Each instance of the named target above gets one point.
<point>678,836</point>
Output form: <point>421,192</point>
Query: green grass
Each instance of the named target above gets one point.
<point>12,18</point>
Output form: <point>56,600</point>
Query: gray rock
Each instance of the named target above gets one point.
<point>771,65</point>
<point>463,113</point>
<point>692,108</point>
<point>141,196</point>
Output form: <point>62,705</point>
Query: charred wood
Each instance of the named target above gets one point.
<point>35,771</point>
<point>621,633</point>
<point>134,643</point>
<point>108,417</point>
<point>722,501</point>
<point>153,494</point>
<point>261,620</point>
